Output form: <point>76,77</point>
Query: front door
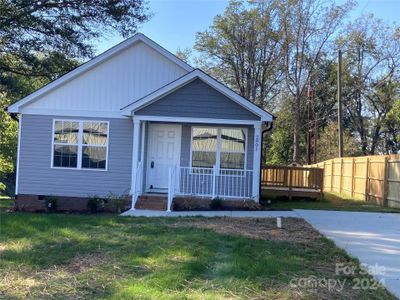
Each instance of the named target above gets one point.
<point>164,148</point>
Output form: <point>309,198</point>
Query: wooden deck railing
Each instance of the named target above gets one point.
<point>296,181</point>
<point>294,177</point>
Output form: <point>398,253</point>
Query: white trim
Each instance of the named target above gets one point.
<point>256,161</point>
<point>18,154</point>
<point>218,149</point>
<point>73,113</point>
<point>143,141</point>
<point>80,145</point>
<point>135,154</point>
<point>149,140</point>
<point>15,108</point>
<point>195,120</point>
<point>156,95</point>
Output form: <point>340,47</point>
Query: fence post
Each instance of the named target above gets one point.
<point>214,181</point>
<point>366,180</point>
<point>290,183</point>
<point>332,172</point>
<point>386,182</point>
<point>341,176</point>
<point>352,177</point>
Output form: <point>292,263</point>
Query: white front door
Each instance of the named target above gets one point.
<point>164,150</point>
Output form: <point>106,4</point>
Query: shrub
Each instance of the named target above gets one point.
<point>51,203</point>
<point>251,205</point>
<point>185,204</point>
<point>117,202</point>
<point>95,204</point>
<point>216,203</point>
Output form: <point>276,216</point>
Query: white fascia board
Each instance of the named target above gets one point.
<point>195,120</point>
<point>151,98</point>
<point>72,113</point>
<point>15,108</point>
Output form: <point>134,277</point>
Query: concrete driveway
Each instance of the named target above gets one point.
<point>373,238</point>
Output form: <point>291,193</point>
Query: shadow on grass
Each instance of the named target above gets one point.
<point>147,258</point>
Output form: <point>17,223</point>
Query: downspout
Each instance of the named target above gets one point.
<point>269,126</point>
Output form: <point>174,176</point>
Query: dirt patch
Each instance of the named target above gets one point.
<point>81,263</point>
<point>293,229</point>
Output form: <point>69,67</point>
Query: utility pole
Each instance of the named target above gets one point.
<point>315,137</point>
<point>339,97</point>
<point>309,121</point>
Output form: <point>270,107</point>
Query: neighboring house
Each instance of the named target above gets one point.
<point>137,120</point>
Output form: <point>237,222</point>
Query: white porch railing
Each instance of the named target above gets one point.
<point>214,183</point>
<point>137,184</point>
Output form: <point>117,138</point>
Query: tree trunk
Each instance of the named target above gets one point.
<point>296,129</point>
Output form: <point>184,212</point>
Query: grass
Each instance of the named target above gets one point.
<point>5,203</point>
<point>329,202</point>
<point>108,257</point>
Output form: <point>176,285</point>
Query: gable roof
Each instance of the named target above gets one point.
<point>180,82</point>
<point>15,108</point>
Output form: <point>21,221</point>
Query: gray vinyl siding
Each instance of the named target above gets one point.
<point>186,142</point>
<point>37,177</point>
<point>197,100</point>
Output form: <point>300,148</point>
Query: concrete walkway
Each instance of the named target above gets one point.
<point>373,238</point>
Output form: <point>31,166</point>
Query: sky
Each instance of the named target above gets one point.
<point>175,22</point>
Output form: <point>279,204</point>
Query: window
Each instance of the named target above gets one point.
<point>204,147</point>
<point>222,147</point>
<point>233,148</point>
<point>80,144</point>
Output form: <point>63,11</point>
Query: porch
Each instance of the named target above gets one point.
<point>205,158</point>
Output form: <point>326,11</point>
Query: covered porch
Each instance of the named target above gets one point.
<point>196,157</point>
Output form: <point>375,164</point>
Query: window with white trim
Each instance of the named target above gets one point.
<point>80,144</point>
<point>222,147</point>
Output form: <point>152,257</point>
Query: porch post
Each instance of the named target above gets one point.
<point>256,161</point>
<point>135,156</point>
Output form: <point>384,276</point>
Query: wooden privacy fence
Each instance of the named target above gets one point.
<point>292,181</point>
<point>371,178</point>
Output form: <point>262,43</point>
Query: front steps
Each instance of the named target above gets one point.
<point>152,202</point>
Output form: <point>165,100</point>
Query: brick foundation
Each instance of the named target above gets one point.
<point>36,203</point>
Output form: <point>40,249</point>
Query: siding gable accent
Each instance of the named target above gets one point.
<point>108,81</point>
<point>162,92</point>
<point>197,99</point>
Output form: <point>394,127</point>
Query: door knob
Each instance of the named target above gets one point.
<point>152,164</point>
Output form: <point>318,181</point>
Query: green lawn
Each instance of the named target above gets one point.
<point>5,203</point>
<point>107,257</point>
<point>330,202</point>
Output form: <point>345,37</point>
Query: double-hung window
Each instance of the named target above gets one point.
<point>221,147</point>
<point>80,144</point>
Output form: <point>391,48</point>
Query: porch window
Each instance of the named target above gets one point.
<point>233,148</point>
<point>204,147</point>
<point>80,144</point>
<point>222,147</point>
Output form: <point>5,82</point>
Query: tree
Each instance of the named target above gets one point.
<point>371,79</point>
<point>393,119</point>
<point>328,143</point>
<point>39,38</point>
<point>242,49</point>
<point>307,28</point>
<point>271,47</point>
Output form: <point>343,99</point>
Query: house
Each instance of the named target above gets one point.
<point>136,119</point>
